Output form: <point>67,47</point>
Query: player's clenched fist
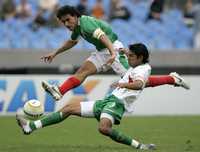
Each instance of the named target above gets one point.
<point>48,58</point>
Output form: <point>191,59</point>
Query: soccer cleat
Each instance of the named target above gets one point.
<point>52,90</point>
<point>146,147</point>
<point>179,81</point>
<point>24,124</point>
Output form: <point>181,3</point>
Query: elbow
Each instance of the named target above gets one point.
<point>138,85</point>
<point>73,41</point>
<point>138,88</point>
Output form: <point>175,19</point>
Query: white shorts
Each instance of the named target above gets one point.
<point>87,108</point>
<point>99,59</point>
<point>87,111</point>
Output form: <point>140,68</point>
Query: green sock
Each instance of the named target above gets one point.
<point>50,119</point>
<point>119,137</point>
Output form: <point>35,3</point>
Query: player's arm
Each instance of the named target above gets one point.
<point>99,34</point>
<point>66,46</point>
<point>124,51</point>
<point>106,41</point>
<point>135,85</point>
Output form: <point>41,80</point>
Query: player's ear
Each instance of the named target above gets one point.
<point>141,58</point>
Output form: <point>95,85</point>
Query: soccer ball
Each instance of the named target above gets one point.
<point>33,109</point>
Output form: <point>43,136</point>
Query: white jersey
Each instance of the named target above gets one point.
<point>128,96</point>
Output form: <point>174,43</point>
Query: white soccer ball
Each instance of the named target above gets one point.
<point>33,109</point>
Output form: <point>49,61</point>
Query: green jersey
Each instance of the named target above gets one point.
<point>90,28</point>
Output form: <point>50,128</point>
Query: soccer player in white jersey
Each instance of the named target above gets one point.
<point>109,110</point>
<point>101,35</point>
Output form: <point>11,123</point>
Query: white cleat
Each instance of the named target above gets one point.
<point>52,90</point>
<point>179,81</point>
<point>24,124</point>
<point>146,147</point>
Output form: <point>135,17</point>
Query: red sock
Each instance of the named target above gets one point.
<point>160,80</point>
<point>69,84</point>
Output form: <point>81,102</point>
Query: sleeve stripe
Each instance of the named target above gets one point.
<point>98,33</point>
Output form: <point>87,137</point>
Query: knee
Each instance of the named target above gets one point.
<point>66,110</point>
<point>80,76</point>
<point>105,130</point>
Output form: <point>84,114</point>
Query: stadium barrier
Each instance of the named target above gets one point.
<point>19,58</point>
<point>15,90</point>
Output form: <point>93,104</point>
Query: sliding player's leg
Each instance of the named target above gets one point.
<point>72,108</point>
<point>110,111</point>
<point>105,128</point>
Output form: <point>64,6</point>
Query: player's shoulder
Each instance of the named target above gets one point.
<point>84,19</point>
<point>145,66</point>
<point>87,22</point>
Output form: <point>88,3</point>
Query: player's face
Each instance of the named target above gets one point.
<point>69,21</point>
<point>133,59</point>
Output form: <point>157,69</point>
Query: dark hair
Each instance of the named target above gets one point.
<point>64,10</point>
<point>140,49</point>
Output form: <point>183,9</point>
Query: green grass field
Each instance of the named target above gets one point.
<point>170,134</point>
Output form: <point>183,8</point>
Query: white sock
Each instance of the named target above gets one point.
<point>27,128</point>
<point>38,124</point>
<point>135,143</point>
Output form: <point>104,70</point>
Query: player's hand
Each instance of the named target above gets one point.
<point>123,50</point>
<point>114,85</point>
<point>117,84</point>
<point>48,58</point>
<point>111,60</point>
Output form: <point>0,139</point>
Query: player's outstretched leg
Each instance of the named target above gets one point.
<point>24,124</point>
<point>58,91</point>
<point>179,81</point>
<point>105,128</point>
<point>147,147</point>
<point>88,68</point>
<point>172,79</point>
<point>121,138</point>
<point>53,90</point>
<point>28,126</point>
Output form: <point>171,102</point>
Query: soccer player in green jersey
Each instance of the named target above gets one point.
<point>108,111</point>
<point>100,34</point>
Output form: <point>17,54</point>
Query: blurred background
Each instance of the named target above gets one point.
<point>29,29</point>
<point>160,24</point>
<point>170,29</point>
